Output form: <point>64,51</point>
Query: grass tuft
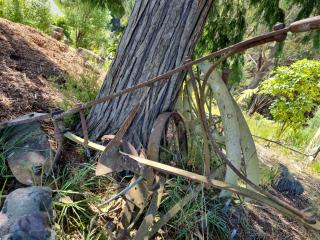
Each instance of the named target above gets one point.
<point>79,192</point>
<point>204,212</point>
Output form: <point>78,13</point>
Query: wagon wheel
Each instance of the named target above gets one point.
<point>167,144</point>
<point>168,140</point>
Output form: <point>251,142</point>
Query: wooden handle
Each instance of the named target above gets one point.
<point>305,25</point>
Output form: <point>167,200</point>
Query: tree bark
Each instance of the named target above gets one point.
<point>159,36</point>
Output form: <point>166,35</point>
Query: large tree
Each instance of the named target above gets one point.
<point>159,36</point>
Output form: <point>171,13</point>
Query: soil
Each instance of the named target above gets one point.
<point>268,223</point>
<point>31,64</point>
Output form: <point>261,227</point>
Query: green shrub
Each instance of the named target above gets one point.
<point>61,22</point>
<point>297,90</point>
<point>302,137</point>
<point>83,88</point>
<point>35,13</point>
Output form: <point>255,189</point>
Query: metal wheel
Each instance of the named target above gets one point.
<point>167,144</point>
<point>168,140</point>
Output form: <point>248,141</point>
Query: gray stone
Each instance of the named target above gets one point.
<point>90,55</point>
<point>26,214</point>
<point>286,183</point>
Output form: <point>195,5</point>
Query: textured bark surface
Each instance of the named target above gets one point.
<point>159,36</point>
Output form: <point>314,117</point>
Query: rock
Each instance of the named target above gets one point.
<point>56,28</point>
<point>57,32</point>
<point>57,35</point>
<point>29,156</point>
<point>286,183</point>
<point>90,55</point>
<point>26,214</point>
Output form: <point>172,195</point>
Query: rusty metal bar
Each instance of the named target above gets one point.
<point>59,138</point>
<point>122,192</point>
<point>279,205</point>
<point>84,127</point>
<point>202,117</point>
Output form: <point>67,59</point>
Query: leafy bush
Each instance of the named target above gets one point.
<point>297,89</point>
<point>35,13</point>
<point>38,14</point>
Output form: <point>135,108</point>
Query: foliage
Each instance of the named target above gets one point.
<point>297,90</point>
<point>302,137</point>
<point>115,6</point>
<point>78,191</point>
<point>82,88</point>
<point>204,209</point>
<point>61,22</point>
<point>315,167</point>
<point>273,11</point>
<point>4,148</point>
<point>88,24</point>
<point>226,25</point>
<point>267,174</point>
<point>35,13</point>
<point>269,12</point>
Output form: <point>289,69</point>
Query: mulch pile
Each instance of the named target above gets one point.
<point>31,63</point>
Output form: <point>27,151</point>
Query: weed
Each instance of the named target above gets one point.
<point>303,136</point>
<point>267,174</point>
<point>315,167</point>
<point>79,192</point>
<point>201,211</point>
<point>297,138</point>
<point>6,147</point>
<point>78,89</point>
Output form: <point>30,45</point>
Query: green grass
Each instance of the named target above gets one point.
<point>5,172</point>
<point>77,89</point>
<point>261,126</point>
<point>269,129</point>
<point>267,174</point>
<point>302,137</point>
<point>5,147</point>
<point>315,168</point>
<point>80,191</point>
<point>188,222</point>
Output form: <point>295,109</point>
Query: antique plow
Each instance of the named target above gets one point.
<point>167,149</point>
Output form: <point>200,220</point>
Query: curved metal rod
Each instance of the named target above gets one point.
<point>122,192</point>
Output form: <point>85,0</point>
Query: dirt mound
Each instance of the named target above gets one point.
<point>31,62</point>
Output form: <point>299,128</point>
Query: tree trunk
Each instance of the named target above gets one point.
<point>159,36</point>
